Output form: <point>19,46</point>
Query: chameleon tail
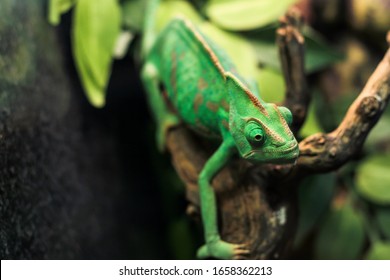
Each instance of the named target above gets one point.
<point>149,27</point>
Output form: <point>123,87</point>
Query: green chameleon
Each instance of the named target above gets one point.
<point>190,80</point>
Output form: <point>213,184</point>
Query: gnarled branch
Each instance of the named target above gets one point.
<point>324,152</point>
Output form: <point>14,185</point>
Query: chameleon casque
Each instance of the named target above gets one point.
<point>190,80</point>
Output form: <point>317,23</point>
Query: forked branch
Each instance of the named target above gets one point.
<point>324,152</point>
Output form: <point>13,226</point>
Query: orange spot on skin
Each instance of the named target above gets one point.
<point>225,124</point>
<point>225,105</point>
<point>197,102</point>
<point>212,106</point>
<point>202,84</point>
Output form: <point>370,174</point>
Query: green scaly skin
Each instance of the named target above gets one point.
<point>189,79</point>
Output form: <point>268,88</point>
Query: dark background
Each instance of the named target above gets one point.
<point>75,182</point>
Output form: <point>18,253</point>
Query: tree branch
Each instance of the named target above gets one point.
<point>324,152</point>
<point>291,51</point>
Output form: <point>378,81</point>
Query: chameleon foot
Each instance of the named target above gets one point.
<point>223,250</point>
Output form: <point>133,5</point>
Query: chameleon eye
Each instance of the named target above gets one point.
<point>254,134</point>
<point>286,113</point>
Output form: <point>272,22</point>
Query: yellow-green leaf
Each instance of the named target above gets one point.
<point>133,14</point>
<point>312,124</point>
<point>271,85</point>
<point>373,179</point>
<point>58,7</point>
<point>96,27</point>
<point>168,10</point>
<point>245,14</point>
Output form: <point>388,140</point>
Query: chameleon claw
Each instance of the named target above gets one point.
<point>241,252</point>
<point>243,245</point>
<point>223,250</point>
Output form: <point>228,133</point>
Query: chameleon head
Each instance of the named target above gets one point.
<point>269,140</point>
<point>260,130</point>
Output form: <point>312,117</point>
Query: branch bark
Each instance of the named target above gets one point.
<point>325,152</point>
<point>291,51</point>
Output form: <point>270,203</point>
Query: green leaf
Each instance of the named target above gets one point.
<point>373,179</point>
<point>267,54</point>
<point>96,27</point>
<point>312,124</point>
<point>245,14</point>
<point>271,85</point>
<point>379,251</point>
<point>318,53</point>
<point>383,218</point>
<point>133,14</point>
<point>341,236</point>
<point>167,10</point>
<point>58,7</point>
<point>314,196</point>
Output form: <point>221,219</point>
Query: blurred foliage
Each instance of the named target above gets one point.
<point>315,194</point>
<point>133,14</point>
<point>370,178</point>
<point>357,221</point>
<point>379,251</point>
<point>245,14</point>
<point>383,219</point>
<point>341,234</point>
<point>343,215</point>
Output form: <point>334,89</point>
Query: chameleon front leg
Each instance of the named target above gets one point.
<point>214,246</point>
<point>163,117</point>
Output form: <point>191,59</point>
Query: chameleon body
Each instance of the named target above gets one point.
<point>189,79</point>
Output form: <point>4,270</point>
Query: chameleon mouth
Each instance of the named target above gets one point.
<point>287,155</point>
